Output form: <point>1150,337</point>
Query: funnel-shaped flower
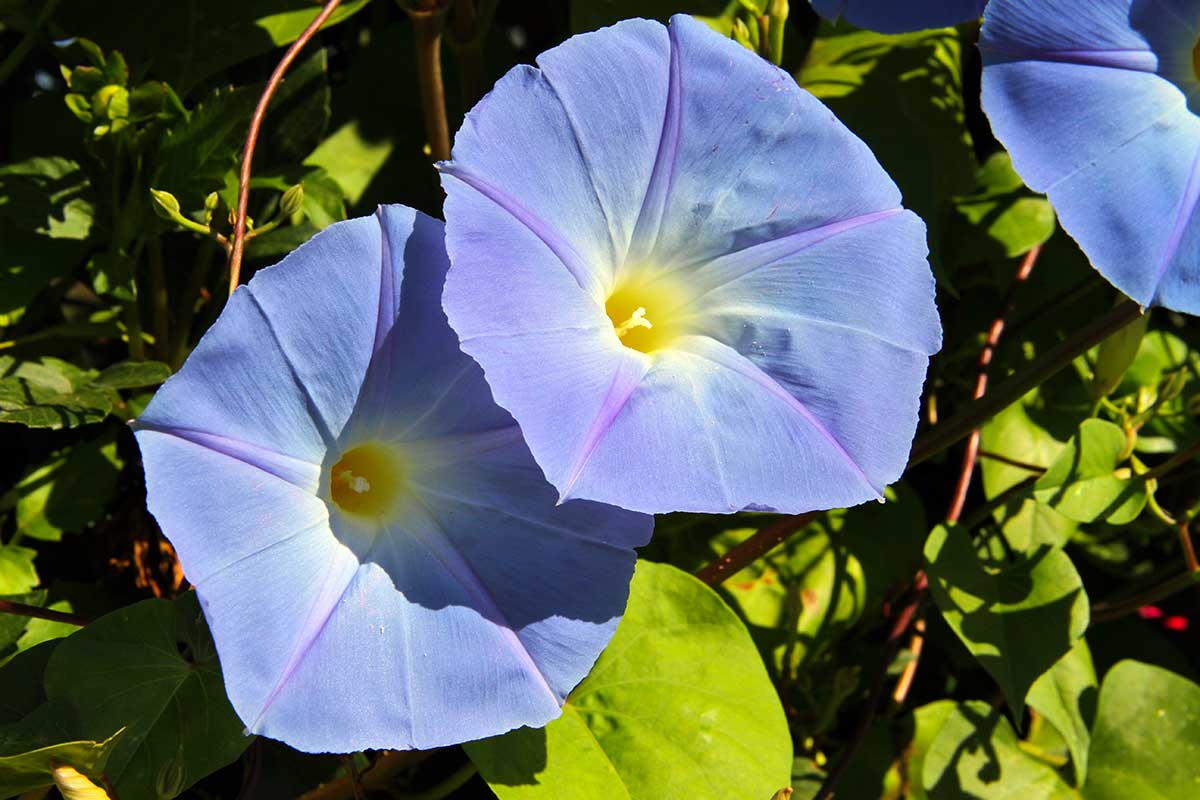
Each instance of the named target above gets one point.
<point>690,284</point>
<point>899,16</point>
<point>379,558</point>
<point>1096,101</point>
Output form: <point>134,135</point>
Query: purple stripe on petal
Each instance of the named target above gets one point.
<point>333,589</point>
<point>645,233</point>
<point>439,544</point>
<point>1134,60</point>
<point>629,374</point>
<point>299,473</point>
<point>1183,218</point>
<point>557,244</point>
<point>732,266</point>
<point>725,356</point>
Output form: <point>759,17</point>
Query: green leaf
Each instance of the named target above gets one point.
<point>200,150</point>
<point>1085,483</point>
<point>21,772</point>
<point>976,755</point>
<point>1014,434</point>
<point>1066,696</point>
<point>152,668</point>
<point>1000,218</point>
<point>46,218</point>
<point>1146,741</point>
<point>802,597</point>
<point>69,491</point>
<point>678,705</point>
<point>1116,354</point>
<point>1018,619</point>
<point>52,394</point>
<point>185,41</point>
<point>134,374</point>
<point>903,96</point>
<point>17,575</point>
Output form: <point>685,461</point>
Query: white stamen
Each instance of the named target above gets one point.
<point>637,320</point>
<point>357,483</point>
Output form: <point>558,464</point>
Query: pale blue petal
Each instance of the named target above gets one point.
<point>241,393</point>
<point>322,302</point>
<point>754,156</point>
<point>748,169</point>
<point>589,124</point>
<point>458,618</point>
<point>1134,213</point>
<point>899,16</point>
<point>1091,101</point>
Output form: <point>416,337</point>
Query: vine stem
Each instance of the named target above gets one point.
<point>754,548</point>
<point>910,612</point>
<point>1014,388</point>
<point>23,610</point>
<point>238,245</point>
<point>427,26</point>
<point>971,453</point>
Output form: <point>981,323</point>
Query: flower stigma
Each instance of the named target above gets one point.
<point>368,480</point>
<point>645,311</point>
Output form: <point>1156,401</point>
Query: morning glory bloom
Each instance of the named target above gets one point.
<point>690,284</point>
<point>1096,101</point>
<point>900,16</point>
<point>380,561</point>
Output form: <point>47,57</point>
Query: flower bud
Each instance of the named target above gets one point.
<point>74,785</point>
<point>165,204</point>
<point>292,200</point>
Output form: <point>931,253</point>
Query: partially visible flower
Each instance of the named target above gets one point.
<point>900,16</point>
<point>1096,101</point>
<point>380,561</point>
<point>690,284</point>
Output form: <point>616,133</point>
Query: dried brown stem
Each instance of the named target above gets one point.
<point>238,246</point>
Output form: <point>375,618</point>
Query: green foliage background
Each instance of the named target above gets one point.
<point>1059,653</point>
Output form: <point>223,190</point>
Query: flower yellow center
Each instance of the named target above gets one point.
<point>646,312</point>
<point>368,480</point>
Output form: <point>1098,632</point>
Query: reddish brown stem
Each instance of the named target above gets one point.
<point>908,614</point>
<point>22,610</point>
<point>378,777</point>
<point>238,246</point>
<point>971,454</point>
<point>1189,552</point>
<point>753,548</point>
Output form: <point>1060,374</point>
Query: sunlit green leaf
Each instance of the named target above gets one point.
<point>1017,619</point>
<point>1000,218</point>
<point>17,574</point>
<point>976,755</point>
<point>679,705</point>
<point>1066,696</point>
<point>1020,440</point>
<point>1086,483</point>
<point>21,772</point>
<point>1146,741</point>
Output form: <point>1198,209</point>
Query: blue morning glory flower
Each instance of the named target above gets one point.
<point>1097,104</point>
<point>900,16</point>
<point>690,284</point>
<point>381,563</point>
